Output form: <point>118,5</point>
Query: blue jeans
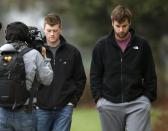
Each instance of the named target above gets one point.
<point>17,120</point>
<point>54,120</point>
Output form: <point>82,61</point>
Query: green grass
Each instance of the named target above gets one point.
<point>155,113</point>
<point>87,119</point>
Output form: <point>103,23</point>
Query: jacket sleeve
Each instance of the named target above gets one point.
<point>79,78</point>
<point>96,73</point>
<point>44,70</point>
<point>38,68</point>
<point>150,78</point>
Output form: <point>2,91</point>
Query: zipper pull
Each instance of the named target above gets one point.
<point>54,61</point>
<point>14,105</point>
<point>121,59</point>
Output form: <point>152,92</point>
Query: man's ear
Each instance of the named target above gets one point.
<point>112,23</point>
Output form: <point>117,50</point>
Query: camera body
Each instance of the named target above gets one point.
<point>36,39</point>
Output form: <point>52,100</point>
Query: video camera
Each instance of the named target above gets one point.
<point>36,40</point>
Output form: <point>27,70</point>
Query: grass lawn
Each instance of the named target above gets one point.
<point>87,119</point>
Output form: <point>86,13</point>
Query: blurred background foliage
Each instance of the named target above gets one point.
<point>84,21</point>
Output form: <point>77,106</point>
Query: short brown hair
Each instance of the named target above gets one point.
<point>120,14</point>
<point>52,19</point>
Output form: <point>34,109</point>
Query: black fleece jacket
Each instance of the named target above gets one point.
<point>122,77</point>
<point>69,78</point>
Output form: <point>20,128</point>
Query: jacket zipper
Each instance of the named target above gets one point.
<point>54,61</point>
<point>122,95</point>
<point>55,56</point>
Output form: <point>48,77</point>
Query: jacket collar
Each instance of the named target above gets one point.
<point>62,41</point>
<point>111,36</point>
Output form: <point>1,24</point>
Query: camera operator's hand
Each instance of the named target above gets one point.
<point>43,52</point>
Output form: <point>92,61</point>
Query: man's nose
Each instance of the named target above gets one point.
<point>121,29</point>
<point>52,32</point>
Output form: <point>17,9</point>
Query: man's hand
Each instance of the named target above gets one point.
<point>43,52</point>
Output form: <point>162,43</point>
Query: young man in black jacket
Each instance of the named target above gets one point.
<point>123,78</point>
<point>57,101</point>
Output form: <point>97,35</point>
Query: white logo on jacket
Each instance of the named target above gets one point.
<point>136,47</point>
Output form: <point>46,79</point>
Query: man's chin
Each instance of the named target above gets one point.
<point>53,40</point>
<point>122,36</point>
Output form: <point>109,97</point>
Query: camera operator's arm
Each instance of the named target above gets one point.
<point>44,69</point>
